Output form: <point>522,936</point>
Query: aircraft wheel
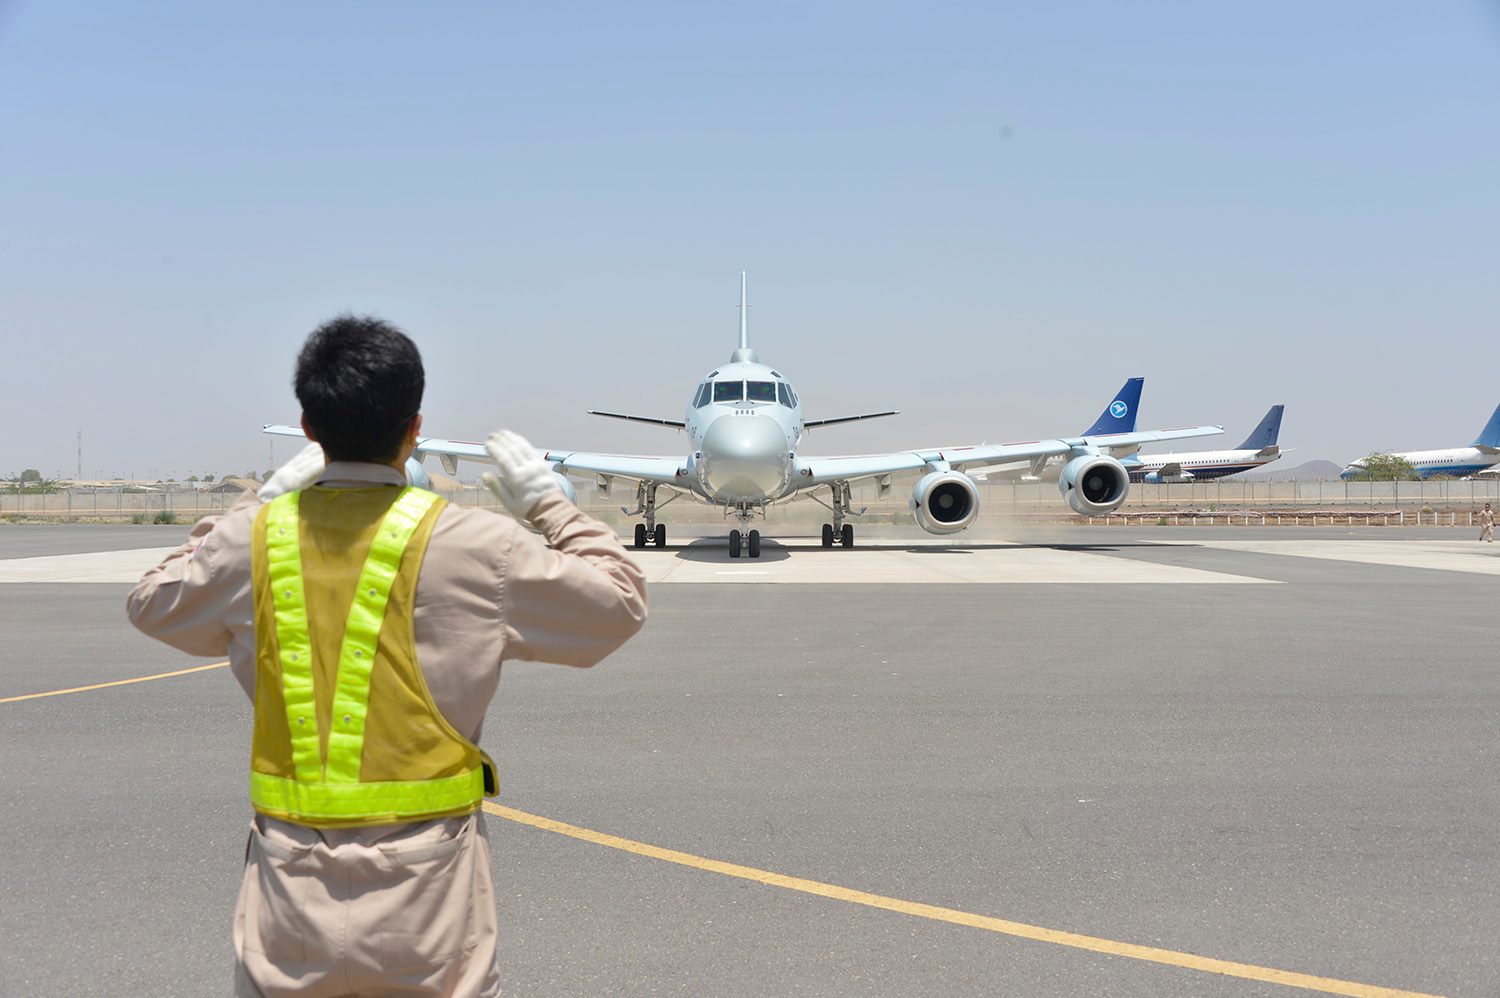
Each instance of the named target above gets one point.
<point>846,538</point>
<point>828,535</point>
<point>640,535</point>
<point>754,544</point>
<point>734,544</point>
<point>661,535</point>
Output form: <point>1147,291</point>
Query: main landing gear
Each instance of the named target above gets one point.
<point>741,539</point>
<point>838,532</point>
<point>844,536</point>
<point>650,531</point>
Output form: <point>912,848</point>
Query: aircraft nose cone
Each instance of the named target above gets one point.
<point>744,458</point>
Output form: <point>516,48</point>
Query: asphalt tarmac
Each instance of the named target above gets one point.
<point>1297,772</point>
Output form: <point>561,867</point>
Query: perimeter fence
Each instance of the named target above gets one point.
<point>1242,500</point>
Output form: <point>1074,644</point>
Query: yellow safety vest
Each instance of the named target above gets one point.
<point>346,732</point>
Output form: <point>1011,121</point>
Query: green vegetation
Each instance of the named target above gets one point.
<point>164,517</point>
<point>1379,467</point>
<point>30,483</point>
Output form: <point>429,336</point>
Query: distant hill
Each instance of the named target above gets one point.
<point>1310,471</point>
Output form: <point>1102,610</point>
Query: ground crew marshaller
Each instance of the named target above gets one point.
<point>367,621</point>
<point>1487,524</point>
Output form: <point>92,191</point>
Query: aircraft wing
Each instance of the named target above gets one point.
<point>639,468</point>
<point>1170,469</point>
<point>662,470</point>
<point>824,470</point>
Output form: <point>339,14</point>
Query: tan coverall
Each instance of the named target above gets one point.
<point>405,908</point>
<point>1487,525</point>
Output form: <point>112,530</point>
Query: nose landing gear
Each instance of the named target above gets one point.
<point>740,539</point>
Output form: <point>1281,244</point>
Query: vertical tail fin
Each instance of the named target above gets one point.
<point>1266,434</point>
<point>744,316</point>
<point>1119,415</point>
<point>1490,435</point>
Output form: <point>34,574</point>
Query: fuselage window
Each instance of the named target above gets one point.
<point>784,394</point>
<point>729,391</point>
<point>761,391</point>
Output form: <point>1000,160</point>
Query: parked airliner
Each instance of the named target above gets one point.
<point>1479,458</point>
<point>1258,450</point>
<point>744,423</point>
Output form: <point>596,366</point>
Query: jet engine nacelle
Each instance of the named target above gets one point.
<point>945,502</point>
<point>567,488</point>
<point>1094,484</point>
<point>1177,479</point>
<point>417,475</point>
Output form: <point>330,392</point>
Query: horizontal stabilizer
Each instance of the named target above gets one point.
<point>807,423</point>
<point>676,423</point>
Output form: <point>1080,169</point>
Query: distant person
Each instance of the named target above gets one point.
<point>367,620</point>
<point>1487,524</point>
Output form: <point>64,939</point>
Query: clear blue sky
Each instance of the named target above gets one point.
<point>986,215</point>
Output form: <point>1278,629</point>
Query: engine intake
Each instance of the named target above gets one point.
<point>567,488</point>
<point>1094,484</point>
<point>945,502</point>
<point>417,475</point>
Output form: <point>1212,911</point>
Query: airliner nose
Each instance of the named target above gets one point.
<point>744,458</point>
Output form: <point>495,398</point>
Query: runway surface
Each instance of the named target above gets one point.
<point>1213,742</point>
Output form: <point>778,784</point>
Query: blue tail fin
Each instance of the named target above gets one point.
<point>1490,435</point>
<point>1119,415</point>
<point>1266,433</point>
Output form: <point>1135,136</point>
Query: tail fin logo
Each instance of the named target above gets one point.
<point>1119,409</point>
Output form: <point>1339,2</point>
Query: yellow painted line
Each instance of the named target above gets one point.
<point>1172,958</point>
<point>117,682</point>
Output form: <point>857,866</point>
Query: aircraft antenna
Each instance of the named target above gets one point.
<point>744,315</point>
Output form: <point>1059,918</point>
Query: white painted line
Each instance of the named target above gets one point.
<point>98,566</point>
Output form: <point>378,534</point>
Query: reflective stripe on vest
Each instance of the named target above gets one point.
<point>330,789</point>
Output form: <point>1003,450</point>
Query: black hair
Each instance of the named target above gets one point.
<point>360,383</point>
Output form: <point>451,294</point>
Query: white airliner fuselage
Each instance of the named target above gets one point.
<point>1454,462</point>
<point>1198,465</point>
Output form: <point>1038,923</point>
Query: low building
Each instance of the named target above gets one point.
<point>234,485</point>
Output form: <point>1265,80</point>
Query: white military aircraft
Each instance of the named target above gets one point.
<point>744,423</point>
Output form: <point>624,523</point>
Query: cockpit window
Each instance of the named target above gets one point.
<point>729,391</point>
<point>761,391</point>
<point>701,399</point>
<point>785,394</point>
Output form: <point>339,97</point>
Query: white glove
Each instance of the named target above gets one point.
<point>524,479</point>
<point>298,473</point>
